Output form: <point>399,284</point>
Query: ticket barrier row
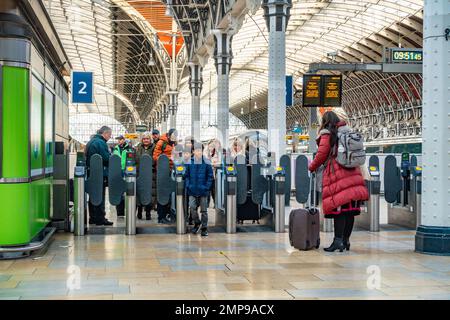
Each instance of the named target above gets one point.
<point>137,189</point>
<point>129,186</point>
<point>403,190</point>
<point>256,191</point>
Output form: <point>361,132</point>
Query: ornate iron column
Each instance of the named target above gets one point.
<point>164,118</point>
<point>223,58</point>
<point>195,85</point>
<point>276,14</point>
<point>172,109</point>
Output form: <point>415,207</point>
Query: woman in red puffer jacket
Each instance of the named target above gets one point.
<point>342,189</point>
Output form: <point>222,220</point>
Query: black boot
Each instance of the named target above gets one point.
<point>337,244</point>
<point>195,229</point>
<point>148,216</point>
<point>346,243</point>
<point>139,215</point>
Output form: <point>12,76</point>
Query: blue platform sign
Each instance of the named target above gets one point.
<point>82,87</point>
<point>289,91</point>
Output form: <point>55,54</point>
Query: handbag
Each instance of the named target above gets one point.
<point>365,172</point>
<point>320,171</point>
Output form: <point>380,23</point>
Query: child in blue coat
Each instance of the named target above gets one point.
<point>199,179</point>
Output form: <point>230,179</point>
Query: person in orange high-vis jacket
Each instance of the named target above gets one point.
<point>165,145</point>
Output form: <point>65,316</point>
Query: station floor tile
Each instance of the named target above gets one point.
<point>252,265</point>
<point>334,292</point>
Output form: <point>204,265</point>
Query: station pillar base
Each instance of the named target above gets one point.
<point>433,240</point>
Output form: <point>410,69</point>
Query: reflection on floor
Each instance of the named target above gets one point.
<point>257,265</point>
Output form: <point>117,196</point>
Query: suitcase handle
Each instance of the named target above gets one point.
<point>291,228</point>
<point>312,191</point>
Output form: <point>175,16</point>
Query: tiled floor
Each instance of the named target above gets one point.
<point>241,266</point>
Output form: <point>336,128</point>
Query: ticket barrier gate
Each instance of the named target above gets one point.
<point>126,185</point>
<point>88,182</point>
<point>251,192</point>
<point>370,217</point>
<point>403,191</point>
<point>226,198</point>
<point>79,197</point>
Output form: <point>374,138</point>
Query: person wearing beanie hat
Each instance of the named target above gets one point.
<point>146,147</point>
<point>121,149</point>
<point>199,179</point>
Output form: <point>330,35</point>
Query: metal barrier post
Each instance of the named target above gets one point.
<point>417,192</point>
<point>181,219</point>
<point>373,206</point>
<point>130,195</point>
<point>79,198</point>
<point>279,208</point>
<point>231,207</point>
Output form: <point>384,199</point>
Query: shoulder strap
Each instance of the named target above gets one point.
<point>164,145</point>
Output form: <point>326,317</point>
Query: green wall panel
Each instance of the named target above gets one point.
<point>36,124</point>
<point>15,121</point>
<point>14,214</point>
<point>39,205</point>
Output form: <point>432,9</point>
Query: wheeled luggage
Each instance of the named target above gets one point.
<point>304,224</point>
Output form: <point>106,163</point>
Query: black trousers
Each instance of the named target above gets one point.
<point>163,210</point>
<point>121,208</point>
<point>343,225</point>
<point>98,213</point>
<point>148,208</point>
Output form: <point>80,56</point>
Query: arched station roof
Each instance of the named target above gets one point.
<point>115,41</point>
<point>341,31</point>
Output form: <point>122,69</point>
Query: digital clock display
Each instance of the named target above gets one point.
<point>402,55</point>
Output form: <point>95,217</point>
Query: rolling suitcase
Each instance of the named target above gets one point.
<point>304,224</point>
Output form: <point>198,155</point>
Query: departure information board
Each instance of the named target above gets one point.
<point>312,87</point>
<point>332,90</point>
<point>322,90</point>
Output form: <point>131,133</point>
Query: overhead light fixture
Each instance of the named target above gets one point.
<point>141,89</point>
<point>256,106</point>
<point>169,11</point>
<point>156,41</point>
<point>138,99</point>
<point>242,110</point>
<point>151,61</point>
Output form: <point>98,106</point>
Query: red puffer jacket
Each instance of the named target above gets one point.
<point>339,185</point>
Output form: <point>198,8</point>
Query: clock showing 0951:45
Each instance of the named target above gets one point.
<point>406,56</point>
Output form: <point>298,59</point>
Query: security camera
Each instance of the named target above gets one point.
<point>332,54</point>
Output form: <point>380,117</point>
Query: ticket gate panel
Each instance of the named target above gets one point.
<point>165,183</point>
<point>392,179</point>
<point>260,184</point>
<point>302,181</point>
<point>94,182</point>
<point>241,179</point>
<point>144,182</point>
<point>285,162</point>
<point>117,186</point>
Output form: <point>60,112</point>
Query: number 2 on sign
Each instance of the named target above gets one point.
<point>83,87</point>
